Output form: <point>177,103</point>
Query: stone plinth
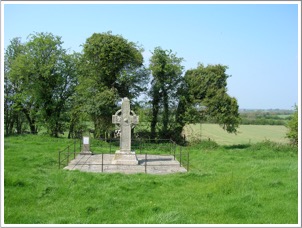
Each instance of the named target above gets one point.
<point>154,164</point>
<point>85,147</point>
<point>124,158</point>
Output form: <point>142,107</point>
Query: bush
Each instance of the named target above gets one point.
<point>204,144</point>
<point>272,147</point>
<point>293,128</point>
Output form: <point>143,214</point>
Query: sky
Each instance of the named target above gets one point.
<point>258,42</point>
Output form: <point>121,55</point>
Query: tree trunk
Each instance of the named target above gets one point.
<point>97,127</point>
<point>11,126</point>
<point>71,131</point>
<point>6,118</point>
<point>33,127</point>
<point>18,124</point>
<point>155,109</point>
<point>31,121</point>
<point>165,114</point>
<point>180,122</point>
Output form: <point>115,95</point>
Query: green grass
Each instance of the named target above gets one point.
<point>237,184</point>
<point>246,133</point>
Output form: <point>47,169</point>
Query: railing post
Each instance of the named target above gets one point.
<point>180,156</point>
<point>80,144</point>
<point>146,163</point>
<point>188,162</point>
<point>67,155</point>
<point>74,149</point>
<point>102,161</point>
<point>174,147</point>
<point>140,146</point>
<point>110,145</point>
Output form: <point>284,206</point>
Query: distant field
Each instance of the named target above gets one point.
<point>246,133</point>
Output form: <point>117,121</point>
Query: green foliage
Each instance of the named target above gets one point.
<point>293,128</point>
<point>111,61</point>
<point>265,117</point>
<point>255,184</point>
<point>204,144</point>
<point>46,86</point>
<point>205,81</point>
<point>206,97</point>
<point>224,110</point>
<point>111,68</point>
<point>166,71</point>
<point>275,147</point>
<point>13,102</point>
<point>46,77</point>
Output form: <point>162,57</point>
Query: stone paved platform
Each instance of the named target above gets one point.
<point>155,164</point>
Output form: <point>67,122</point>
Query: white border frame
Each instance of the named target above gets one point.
<point>150,2</point>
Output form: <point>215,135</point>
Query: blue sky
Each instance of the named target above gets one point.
<point>258,42</point>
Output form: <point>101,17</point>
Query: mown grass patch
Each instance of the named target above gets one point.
<point>246,134</point>
<point>235,184</point>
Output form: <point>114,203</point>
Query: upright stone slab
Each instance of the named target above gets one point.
<point>85,147</point>
<point>126,119</point>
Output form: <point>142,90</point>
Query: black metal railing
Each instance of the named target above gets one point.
<point>142,147</point>
<point>68,153</point>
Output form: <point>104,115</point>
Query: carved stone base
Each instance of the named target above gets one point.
<point>125,158</point>
<point>86,153</point>
<point>85,148</point>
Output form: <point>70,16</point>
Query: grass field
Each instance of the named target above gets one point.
<point>246,134</point>
<point>238,184</point>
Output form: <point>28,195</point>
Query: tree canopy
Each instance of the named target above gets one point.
<point>46,86</point>
<point>207,87</point>
<point>46,78</point>
<point>112,61</point>
<point>111,68</point>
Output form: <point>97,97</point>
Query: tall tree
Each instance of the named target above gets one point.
<point>48,75</point>
<point>166,71</point>
<point>112,68</point>
<point>204,95</point>
<point>14,102</point>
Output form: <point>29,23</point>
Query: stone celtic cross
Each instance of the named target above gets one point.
<point>126,119</point>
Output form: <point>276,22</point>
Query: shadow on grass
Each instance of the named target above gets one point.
<point>238,146</point>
